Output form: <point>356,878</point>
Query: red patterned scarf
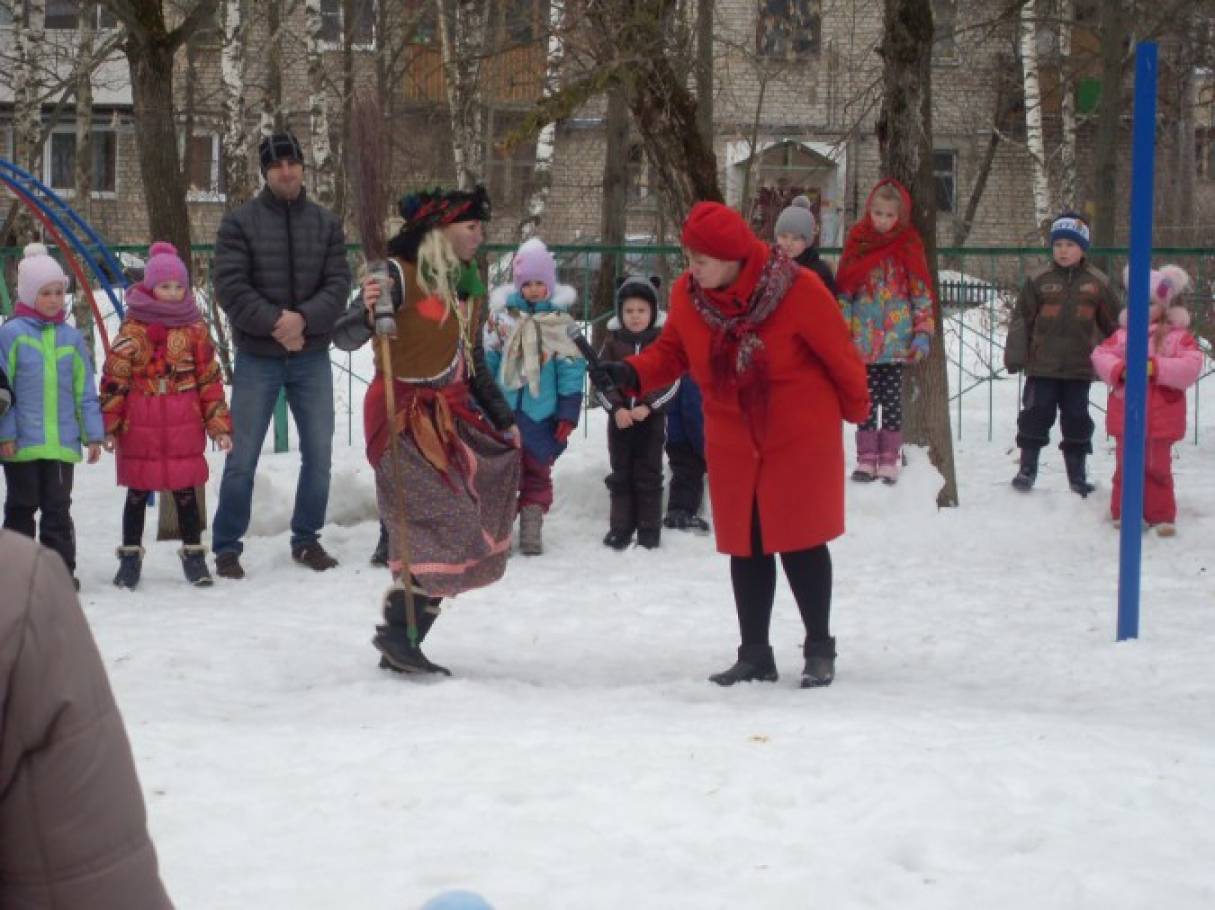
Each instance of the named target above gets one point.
<point>737,356</point>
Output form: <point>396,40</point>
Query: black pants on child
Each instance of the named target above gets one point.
<point>687,477</point>
<point>754,580</point>
<point>636,479</point>
<point>885,391</point>
<point>42,485</point>
<point>1041,398</point>
<point>189,521</point>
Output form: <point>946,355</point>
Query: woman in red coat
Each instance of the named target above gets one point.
<point>765,341</point>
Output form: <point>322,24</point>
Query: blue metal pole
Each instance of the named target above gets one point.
<point>1142,176</point>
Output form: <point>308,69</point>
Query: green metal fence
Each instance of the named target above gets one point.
<point>977,288</point>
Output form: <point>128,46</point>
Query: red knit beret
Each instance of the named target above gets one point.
<point>717,230</point>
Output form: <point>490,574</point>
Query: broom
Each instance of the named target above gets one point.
<point>367,133</point>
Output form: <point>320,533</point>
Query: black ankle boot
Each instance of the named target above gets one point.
<point>130,566</point>
<point>397,652</point>
<point>1028,472</point>
<point>379,556</point>
<point>820,663</point>
<point>1077,477</point>
<point>755,664</point>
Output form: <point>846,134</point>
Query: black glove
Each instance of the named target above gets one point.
<point>6,399</point>
<point>614,376</point>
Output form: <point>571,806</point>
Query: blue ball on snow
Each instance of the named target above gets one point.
<point>457,900</point>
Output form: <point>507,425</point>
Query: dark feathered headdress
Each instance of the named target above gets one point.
<point>427,209</point>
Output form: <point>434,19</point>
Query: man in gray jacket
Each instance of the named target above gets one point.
<point>281,275</point>
<point>73,832</point>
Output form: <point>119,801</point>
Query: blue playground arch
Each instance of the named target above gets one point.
<point>70,232</point>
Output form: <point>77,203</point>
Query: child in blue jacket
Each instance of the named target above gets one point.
<point>540,372</point>
<point>55,407</point>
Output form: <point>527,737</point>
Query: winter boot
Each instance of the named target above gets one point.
<point>622,522</point>
<point>130,565</point>
<point>227,565</point>
<point>648,537</point>
<point>391,639</point>
<point>820,663</point>
<point>194,565</point>
<point>866,456</point>
<point>1165,529</point>
<point>1076,475</point>
<point>379,556</point>
<point>314,556</point>
<point>755,664</point>
<point>890,455</point>
<point>1028,472</point>
<point>531,520</point>
<point>618,540</point>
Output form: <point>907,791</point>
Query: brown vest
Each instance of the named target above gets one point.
<point>425,347</point>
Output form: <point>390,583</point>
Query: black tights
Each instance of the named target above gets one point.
<point>754,579</point>
<point>188,518</point>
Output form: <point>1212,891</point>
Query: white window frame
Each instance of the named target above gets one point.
<point>327,45</point>
<point>213,194</point>
<point>951,174</point>
<point>70,191</point>
<point>99,13</point>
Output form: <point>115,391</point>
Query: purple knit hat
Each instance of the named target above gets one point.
<point>164,265</point>
<point>533,262</point>
<point>35,271</point>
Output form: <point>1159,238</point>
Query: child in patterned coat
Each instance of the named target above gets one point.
<point>162,394</point>
<point>885,290</point>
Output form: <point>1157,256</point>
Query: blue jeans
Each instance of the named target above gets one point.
<point>308,381</point>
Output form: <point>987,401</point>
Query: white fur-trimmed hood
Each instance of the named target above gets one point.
<point>562,300</point>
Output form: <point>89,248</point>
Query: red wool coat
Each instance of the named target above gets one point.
<point>161,394</point>
<point>795,471</point>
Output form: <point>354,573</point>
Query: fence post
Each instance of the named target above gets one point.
<point>280,422</point>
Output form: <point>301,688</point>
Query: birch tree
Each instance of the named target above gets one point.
<point>546,140</point>
<point>463,32</point>
<point>239,179</point>
<point>1067,107</point>
<point>27,104</point>
<point>318,108</point>
<point>83,203</point>
<point>1035,141</point>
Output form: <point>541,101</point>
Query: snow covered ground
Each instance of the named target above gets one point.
<point>986,744</point>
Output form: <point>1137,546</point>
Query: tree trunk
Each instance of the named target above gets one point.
<point>748,178</point>
<point>1001,114</point>
<point>704,69</point>
<point>239,182</point>
<point>905,135</point>
<point>272,101</point>
<point>1114,35</point>
<point>612,217</point>
<point>463,29</point>
<point>1067,107</point>
<point>546,141</point>
<point>318,109</point>
<point>1035,141</point>
<point>27,113</point>
<point>81,311</point>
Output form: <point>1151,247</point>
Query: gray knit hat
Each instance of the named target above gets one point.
<point>797,219</point>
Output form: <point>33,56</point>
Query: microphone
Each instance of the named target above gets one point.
<point>602,382</point>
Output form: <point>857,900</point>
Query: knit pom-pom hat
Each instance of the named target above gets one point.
<point>533,262</point>
<point>164,265</point>
<point>797,219</point>
<point>35,271</point>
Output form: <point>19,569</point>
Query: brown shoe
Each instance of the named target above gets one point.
<point>227,565</point>
<point>313,556</point>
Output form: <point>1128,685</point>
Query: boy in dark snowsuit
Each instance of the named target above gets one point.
<point>686,453</point>
<point>636,427</point>
<point>1065,310</point>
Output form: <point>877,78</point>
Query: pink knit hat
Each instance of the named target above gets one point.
<point>164,265</point>
<point>35,271</point>
<point>533,262</point>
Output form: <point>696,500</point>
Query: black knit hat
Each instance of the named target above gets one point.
<point>641,287</point>
<point>278,147</point>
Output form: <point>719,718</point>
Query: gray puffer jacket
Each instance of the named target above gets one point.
<point>73,832</point>
<point>271,255</point>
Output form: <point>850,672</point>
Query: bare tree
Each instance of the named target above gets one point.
<point>704,68</point>
<point>318,108</point>
<point>239,179</point>
<point>1067,107</point>
<point>81,311</point>
<point>905,135</point>
<point>27,108</point>
<point>546,139</point>
<point>151,47</point>
<point>463,33</point>
<point>615,195</point>
<point>1034,137</point>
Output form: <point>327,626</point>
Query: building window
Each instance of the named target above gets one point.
<point>65,14</point>
<point>60,161</point>
<point>204,158</point>
<point>519,21</point>
<point>1204,151</point>
<point>420,14</point>
<point>944,30</point>
<point>638,171</point>
<point>362,25</point>
<point>944,176</point>
<point>6,13</point>
<point>788,29</point>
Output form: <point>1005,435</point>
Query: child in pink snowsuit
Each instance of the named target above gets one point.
<point>1174,364</point>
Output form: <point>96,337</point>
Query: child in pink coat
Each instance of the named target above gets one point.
<point>1174,364</point>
